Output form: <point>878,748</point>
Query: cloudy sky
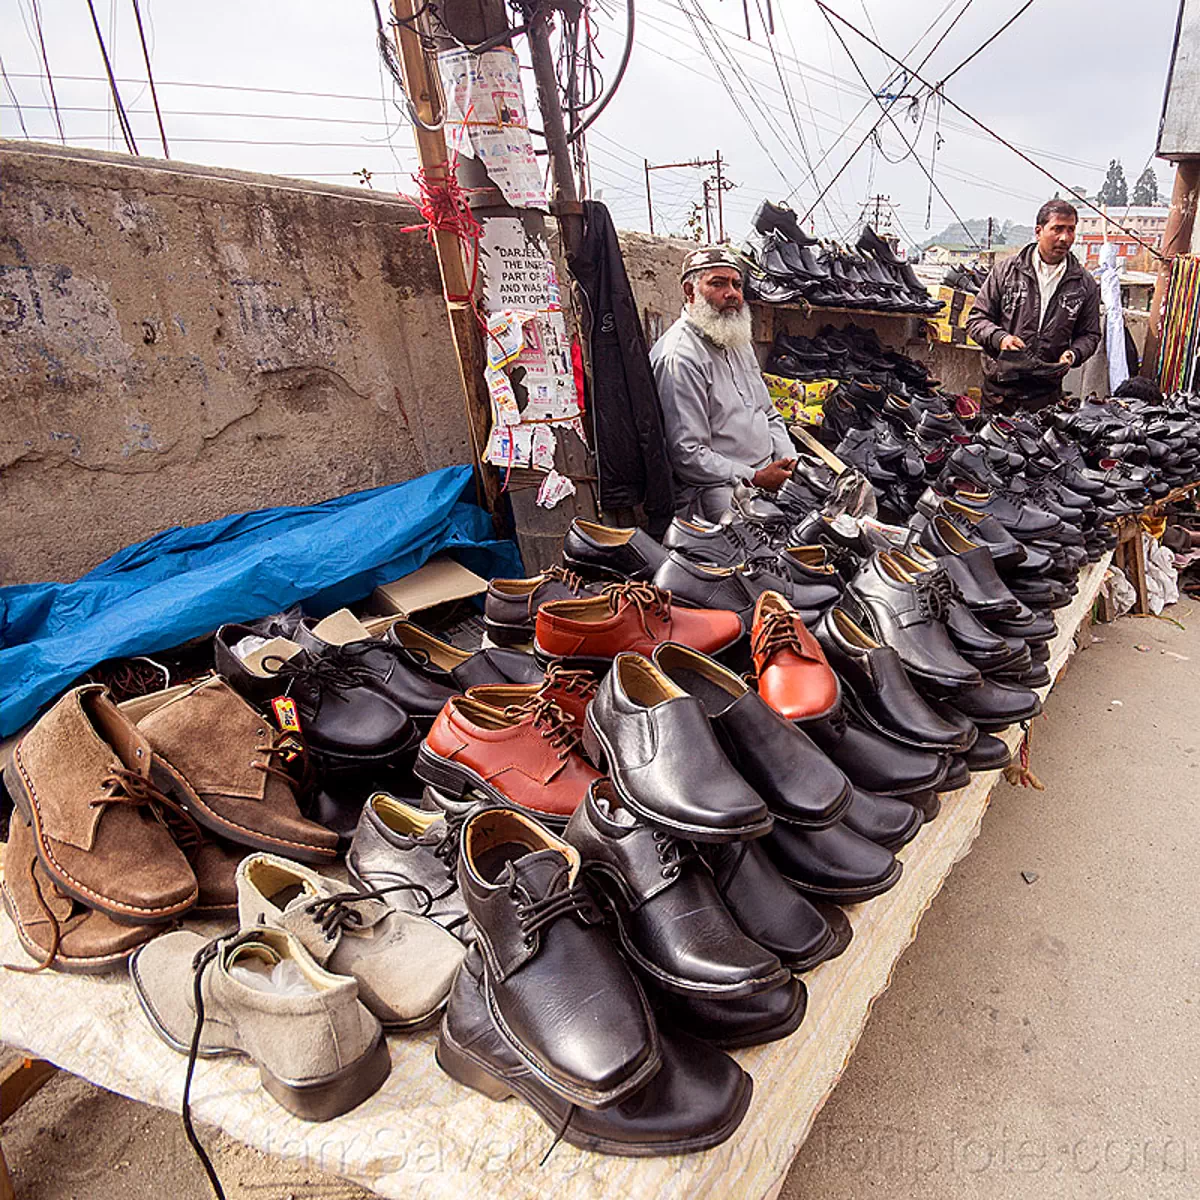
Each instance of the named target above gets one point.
<point>296,88</point>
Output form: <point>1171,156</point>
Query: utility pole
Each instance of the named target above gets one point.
<point>721,185</point>
<point>649,206</point>
<point>721,189</point>
<point>707,213</point>
<point>989,233</point>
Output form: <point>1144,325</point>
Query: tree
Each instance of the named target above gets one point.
<point>1115,190</point>
<point>1145,191</point>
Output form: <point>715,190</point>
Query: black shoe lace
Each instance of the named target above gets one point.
<point>335,670</point>
<point>204,956</point>
<point>672,854</point>
<point>935,593</point>
<point>559,902</point>
<point>645,597</point>
<point>338,911</point>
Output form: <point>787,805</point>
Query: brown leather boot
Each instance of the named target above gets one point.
<point>53,928</point>
<point>81,776</point>
<point>228,768</point>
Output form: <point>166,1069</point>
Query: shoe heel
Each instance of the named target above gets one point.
<point>592,747</point>
<point>324,1099</point>
<point>434,770</point>
<point>467,1071</point>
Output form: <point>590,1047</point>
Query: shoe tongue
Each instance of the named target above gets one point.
<point>541,873</point>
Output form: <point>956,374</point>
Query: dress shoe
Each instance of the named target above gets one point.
<point>874,761</point>
<point>733,1024</point>
<point>769,910</point>
<point>664,758</point>
<point>557,989</point>
<point>725,545</point>
<point>908,612</point>
<point>793,676</point>
<point>971,567</point>
<point>571,689</point>
<point>879,692</point>
<point>993,706</point>
<point>833,864</point>
<point>696,1100</point>
<point>988,754</point>
<point>780,762</point>
<point>526,758</point>
<point>384,668</point>
<point>511,604</point>
<point>347,724</point>
<point>457,669</point>
<point>885,820</point>
<point>634,617</point>
<point>603,553</point>
<point>671,921</point>
<point>1006,550</point>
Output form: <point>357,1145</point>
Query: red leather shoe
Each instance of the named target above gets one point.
<point>570,690</point>
<point>525,757</point>
<point>628,616</point>
<point>794,677</point>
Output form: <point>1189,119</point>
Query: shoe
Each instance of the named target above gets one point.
<point>457,669</point>
<point>557,990</point>
<point>887,821</point>
<point>727,545</point>
<point>525,758</point>
<point>319,1052</point>
<point>602,553</point>
<point>346,723</point>
<point>834,864</point>
<point>734,1024</point>
<point>511,604</point>
<point>695,1101</point>
<point>873,761</point>
<point>397,843</point>
<point>792,674</point>
<point>779,761</point>
<point>993,706</point>
<point>54,929</point>
<point>664,759</point>
<point>633,617</point>
<point>988,754</point>
<point>82,779</point>
<point>670,919</point>
<point>403,962</point>
<point>379,663</point>
<point>879,692</point>
<point>572,690</point>
<point>769,910</point>
<point>220,759</point>
<point>971,568</point>
<point>908,612</point>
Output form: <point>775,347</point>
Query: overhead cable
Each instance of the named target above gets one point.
<point>162,133</point>
<point>980,49</point>
<point>37,22</point>
<point>122,118</point>
<point>16,103</point>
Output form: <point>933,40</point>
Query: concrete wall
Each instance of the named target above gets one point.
<point>178,343</point>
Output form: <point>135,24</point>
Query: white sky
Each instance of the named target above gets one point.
<point>1074,85</point>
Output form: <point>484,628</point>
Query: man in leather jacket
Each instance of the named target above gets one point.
<point>1036,316</point>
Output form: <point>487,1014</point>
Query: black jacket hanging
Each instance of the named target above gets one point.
<point>631,449</point>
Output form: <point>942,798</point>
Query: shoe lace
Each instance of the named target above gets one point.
<point>334,670</point>
<point>203,957</point>
<point>568,578</point>
<point>934,595</point>
<point>573,680</point>
<point>777,632</point>
<point>51,954</point>
<point>551,722</point>
<point>559,902</point>
<point>339,911</point>
<point>645,597</point>
<point>130,788</point>
<point>672,853</point>
<point>276,753</point>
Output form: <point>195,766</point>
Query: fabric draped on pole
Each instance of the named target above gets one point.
<point>1114,318</point>
<point>1181,317</point>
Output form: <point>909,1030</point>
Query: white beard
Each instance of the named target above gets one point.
<point>729,330</point>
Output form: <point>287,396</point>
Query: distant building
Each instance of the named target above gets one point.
<point>944,256</point>
<point>1147,221</point>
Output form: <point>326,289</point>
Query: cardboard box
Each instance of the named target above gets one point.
<point>797,399</point>
<point>439,581</point>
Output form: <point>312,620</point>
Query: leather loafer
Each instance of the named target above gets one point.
<point>664,759</point>
<point>873,761</point>
<point>557,989</point>
<point>671,921</point>
<point>833,864</point>
<point>993,706</point>
<point>696,1100</point>
<point>779,761</point>
<point>733,1024</point>
<point>988,754</point>
<point>884,820</point>
<point>604,553</point>
<point>460,669</point>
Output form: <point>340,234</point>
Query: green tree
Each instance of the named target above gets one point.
<point>1145,191</point>
<point>1115,190</point>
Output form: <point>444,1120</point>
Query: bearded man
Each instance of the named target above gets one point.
<point>721,426</point>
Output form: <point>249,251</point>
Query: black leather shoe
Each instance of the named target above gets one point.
<point>876,688</point>
<point>908,613</point>
<point>390,669</point>
<point>874,761</point>
<point>958,775</point>
<point>347,724</point>
<point>778,760</point>
<point>664,759</point>
<point>767,907</point>
<point>558,991</point>
<point>732,1024</point>
<point>994,706</point>
<point>1038,627</point>
<point>672,923</point>
<point>600,552</point>
<point>972,569</point>
<point>727,545</point>
<point>695,1101</point>
<point>988,754</point>
<point>884,820</point>
<point>833,864</point>
<point>511,605</point>
<point>457,669</point>
<point>1006,550</point>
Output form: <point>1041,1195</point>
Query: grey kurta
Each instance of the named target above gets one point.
<point>720,423</point>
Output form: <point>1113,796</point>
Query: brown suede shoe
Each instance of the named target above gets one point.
<point>81,776</point>
<point>221,758</point>
<point>53,928</point>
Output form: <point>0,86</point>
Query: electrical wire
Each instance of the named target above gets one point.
<point>41,39</point>
<point>162,133</point>
<point>15,102</point>
<point>980,49</point>
<point>122,118</point>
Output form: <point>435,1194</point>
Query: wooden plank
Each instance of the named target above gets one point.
<point>20,1079</point>
<point>826,456</point>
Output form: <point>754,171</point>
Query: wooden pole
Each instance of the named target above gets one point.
<point>464,327</point>
<point>720,201</point>
<point>1176,240</point>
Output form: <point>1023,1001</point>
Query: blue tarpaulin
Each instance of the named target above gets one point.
<point>183,583</point>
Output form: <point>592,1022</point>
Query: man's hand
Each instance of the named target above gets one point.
<point>774,475</point>
<point>1068,357</point>
<point>1010,341</point>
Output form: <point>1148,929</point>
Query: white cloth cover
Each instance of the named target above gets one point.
<point>1114,319</point>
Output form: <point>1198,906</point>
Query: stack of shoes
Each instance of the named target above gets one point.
<point>965,278</point>
<point>787,265</point>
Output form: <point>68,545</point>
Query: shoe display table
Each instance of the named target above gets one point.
<point>423,1135</point>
